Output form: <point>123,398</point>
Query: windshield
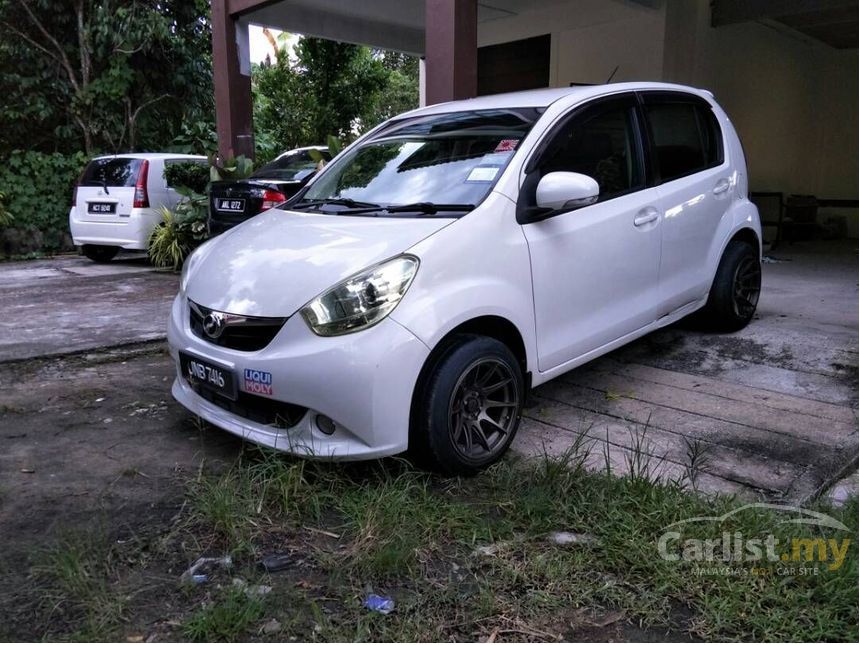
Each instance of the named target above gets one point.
<point>113,171</point>
<point>291,166</point>
<point>450,160</point>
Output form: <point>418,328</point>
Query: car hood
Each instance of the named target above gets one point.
<point>276,262</point>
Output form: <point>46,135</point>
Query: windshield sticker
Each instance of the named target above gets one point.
<point>507,145</point>
<point>496,158</point>
<point>483,174</point>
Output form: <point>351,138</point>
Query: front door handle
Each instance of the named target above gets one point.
<point>646,216</point>
<point>722,186</point>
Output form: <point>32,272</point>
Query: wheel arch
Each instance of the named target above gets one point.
<point>492,326</point>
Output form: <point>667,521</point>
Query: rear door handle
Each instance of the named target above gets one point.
<point>722,186</point>
<point>646,216</point>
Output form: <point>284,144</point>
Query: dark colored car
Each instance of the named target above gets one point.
<point>232,202</point>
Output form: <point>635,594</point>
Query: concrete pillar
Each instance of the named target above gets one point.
<point>232,80</point>
<point>451,49</point>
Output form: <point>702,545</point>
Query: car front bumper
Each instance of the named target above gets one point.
<point>363,382</point>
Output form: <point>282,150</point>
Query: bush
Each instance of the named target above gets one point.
<point>189,174</point>
<point>180,230</point>
<point>37,190</point>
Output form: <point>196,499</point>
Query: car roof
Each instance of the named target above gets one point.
<point>152,155</point>
<point>545,97</point>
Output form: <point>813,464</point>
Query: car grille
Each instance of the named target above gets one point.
<point>242,333</point>
<point>256,408</point>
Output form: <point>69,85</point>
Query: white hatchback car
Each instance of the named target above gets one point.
<point>116,201</point>
<point>458,255</point>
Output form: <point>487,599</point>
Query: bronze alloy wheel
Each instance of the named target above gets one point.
<point>746,287</point>
<point>483,409</point>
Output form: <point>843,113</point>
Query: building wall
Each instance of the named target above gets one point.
<point>590,38</point>
<point>792,99</point>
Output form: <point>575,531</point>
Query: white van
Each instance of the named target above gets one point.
<point>116,201</point>
<point>458,255</point>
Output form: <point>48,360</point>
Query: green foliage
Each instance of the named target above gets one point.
<point>190,174</point>
<point>230,169</point>
<point>180,231</point>
<point>6,218</point>
<point>333,89</point>
<point>108,75</point>
<point>195,138</point>
<point>38,192</point>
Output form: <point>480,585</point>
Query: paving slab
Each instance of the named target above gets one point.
<point>772,408</point>
<point>70,304</point>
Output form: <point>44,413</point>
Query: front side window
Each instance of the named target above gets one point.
<point>445,160</point>
<point>603,145</point>
<point>686,138</point>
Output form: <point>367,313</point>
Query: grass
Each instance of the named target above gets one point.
<point>464,559</point>
<point>398,526</point>
<point>225,619</point>
<point>76,576</point>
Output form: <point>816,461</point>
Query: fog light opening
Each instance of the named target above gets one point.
<point>325,425</point>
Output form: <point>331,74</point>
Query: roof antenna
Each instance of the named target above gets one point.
<point>612,75</point>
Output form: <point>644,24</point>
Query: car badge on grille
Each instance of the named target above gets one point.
<point>213,324</point>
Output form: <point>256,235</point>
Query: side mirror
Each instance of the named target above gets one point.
<point>564,191</point>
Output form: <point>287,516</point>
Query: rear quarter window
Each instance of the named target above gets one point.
<point>686,138</point>
<point>111,172</point>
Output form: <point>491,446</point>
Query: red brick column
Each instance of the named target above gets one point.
<point>233,104</point>
<point>451,49</point>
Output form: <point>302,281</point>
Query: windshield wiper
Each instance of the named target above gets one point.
<point>428,207</point>
<point>337,201</point>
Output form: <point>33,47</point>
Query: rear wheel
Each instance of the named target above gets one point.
<point>469,408</point>
<point>98,253</point>
<point>735,292</point>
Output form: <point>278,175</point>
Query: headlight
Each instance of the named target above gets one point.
<point>362,300</point>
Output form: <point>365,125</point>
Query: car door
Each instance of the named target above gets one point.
<point>695,183</point>
<point>594,269</point>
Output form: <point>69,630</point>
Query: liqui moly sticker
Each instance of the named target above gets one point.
<point>258,382</point>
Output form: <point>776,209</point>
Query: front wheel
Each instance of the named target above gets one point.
<point>735,292</point>
<point>469,407</point>
<point>98,253</point>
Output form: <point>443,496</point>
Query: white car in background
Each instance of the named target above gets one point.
<point>116,202</point>
<point>458,255</point>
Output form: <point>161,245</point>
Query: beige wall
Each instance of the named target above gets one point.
<point>589,38</point>
<point>792,99</point>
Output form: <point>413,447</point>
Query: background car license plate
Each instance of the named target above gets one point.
<point>231,205</point>
<point>205,374</point>
<point>102,208</point>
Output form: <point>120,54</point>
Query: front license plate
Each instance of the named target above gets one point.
<point>205,374</point>
<point>230,205</point>
<point>102,208</point>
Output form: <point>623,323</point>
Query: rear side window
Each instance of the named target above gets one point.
<point>686,138</point>
<point>111,172</point>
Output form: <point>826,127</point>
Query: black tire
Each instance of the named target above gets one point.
<point>98,253</point>
<point>735,292</point>
<point>456,427</point>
